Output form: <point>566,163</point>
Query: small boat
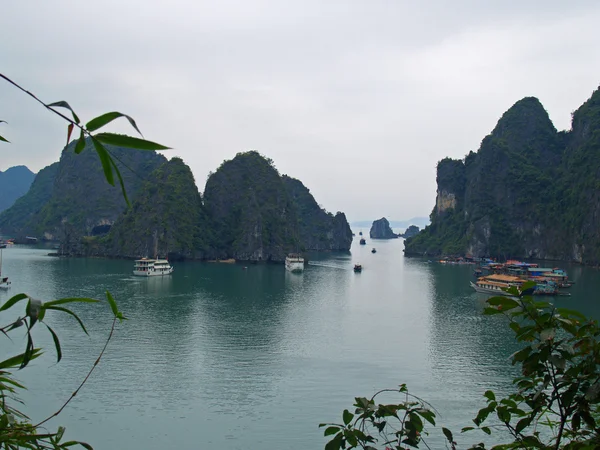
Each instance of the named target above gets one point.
<point>373,250</point>
<point>146,267</point>
<point>294,262</point>
<point>357,268</point>
<point>362,241</point>
<point>360,233</point>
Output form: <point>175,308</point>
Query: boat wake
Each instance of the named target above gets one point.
<point>331,266</point>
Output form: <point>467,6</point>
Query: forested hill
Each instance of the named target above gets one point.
<point>71,198</point>
<point>248,211</point>
<point>528,192</point>
<point>256,214</point>
<point>14,183</point>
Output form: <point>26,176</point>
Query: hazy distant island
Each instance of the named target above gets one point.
<point>380,229</point>
<point>248,211</point>
<point>530,191</point>
<point>14,183</point>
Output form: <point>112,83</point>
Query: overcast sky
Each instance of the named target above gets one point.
<point>357,99</point>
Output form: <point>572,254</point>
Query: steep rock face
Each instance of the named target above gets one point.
<point>14,220</point>
<point>506,200</point>
<point>81,202</point>
<point>167,218</point>
<point>381,230</point>
<point>317,229</point>
<point>14,183</point>
<point>411,231</point>
<point>250,210</point>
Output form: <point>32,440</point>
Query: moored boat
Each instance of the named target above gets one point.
<point>362,241</point>
<point>146,267</point>
<point>294,262</point>
<point>357,268</point>
<point>374,250</point>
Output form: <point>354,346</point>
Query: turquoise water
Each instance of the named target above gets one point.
<point>218,356</point>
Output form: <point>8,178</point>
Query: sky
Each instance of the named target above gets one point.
<point>357,99</point>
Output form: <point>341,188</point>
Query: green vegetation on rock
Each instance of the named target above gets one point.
<point>529,191</point>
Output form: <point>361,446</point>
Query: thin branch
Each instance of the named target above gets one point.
<point>112,329</point>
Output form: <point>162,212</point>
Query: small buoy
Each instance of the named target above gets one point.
<point>245,267</point>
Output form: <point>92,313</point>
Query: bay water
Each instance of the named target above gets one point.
<point>243,356</point>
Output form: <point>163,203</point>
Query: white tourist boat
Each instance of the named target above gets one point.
<point>294,262</point>
<point>146,267</point>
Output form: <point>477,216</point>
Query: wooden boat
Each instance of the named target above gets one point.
<point>362,241</point>
<point>357,268</point>
<point>373,251</point>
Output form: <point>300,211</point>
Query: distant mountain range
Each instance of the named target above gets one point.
<point>421,222</point>
<point>14,183</point>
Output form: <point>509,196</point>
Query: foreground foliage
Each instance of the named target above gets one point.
<point>16,429</point>
<point>554,405</point>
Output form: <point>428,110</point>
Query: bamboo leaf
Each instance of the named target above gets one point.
<point>69,131</point>
<point>62,301</point>
<point>68,311</point>
<point>4,140</point>
<point>80,143</point>
<point>63,104</point>
<point>121,182</point>
<point>12,301</point>
<point>18,360</point>
<point>112,303</point>
<point>105,159</point>
<point>122,140</point>
<point>56,343</point>
<point>100,121</point>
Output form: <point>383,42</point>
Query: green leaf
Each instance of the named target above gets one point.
<point>121,183</point>
<point>18,360</point>
<point>351,438</point>
<point>62,301</point>
<point>347,416</point>
<point>13,301</point>
<point>63,104</point>
<point>331,430</point>
<point>100,121</point>
<point>570,313</point>
<point>465,429</point>
<point>448,434</point>
<point>486,430</point>
<point>490,395</point>
<point>68,311</point>
<point>522,424</point>
<point>489,311</point>
<point>122,140</point>
<point>335,443</point>
<point>4,140</point>
<point>105,159</point>
<point>56,343</point>
<point>112,303</point>
<point>80,143</point>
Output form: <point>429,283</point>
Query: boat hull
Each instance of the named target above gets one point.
<point>294,266</point>
<point>490,291</point>
<point>153,273</point>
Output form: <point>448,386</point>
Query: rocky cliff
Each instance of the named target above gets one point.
<point>381,230</point>
<point>258,215</point>
<point>317,229</point>
<point>528,192</point>
<point>166,219</point>
<point>14,183</point>
<point>411,231</point>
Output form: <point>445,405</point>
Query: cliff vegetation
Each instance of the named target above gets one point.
<point>528,192</point>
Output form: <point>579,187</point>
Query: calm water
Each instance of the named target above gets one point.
<point>219,357</point>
